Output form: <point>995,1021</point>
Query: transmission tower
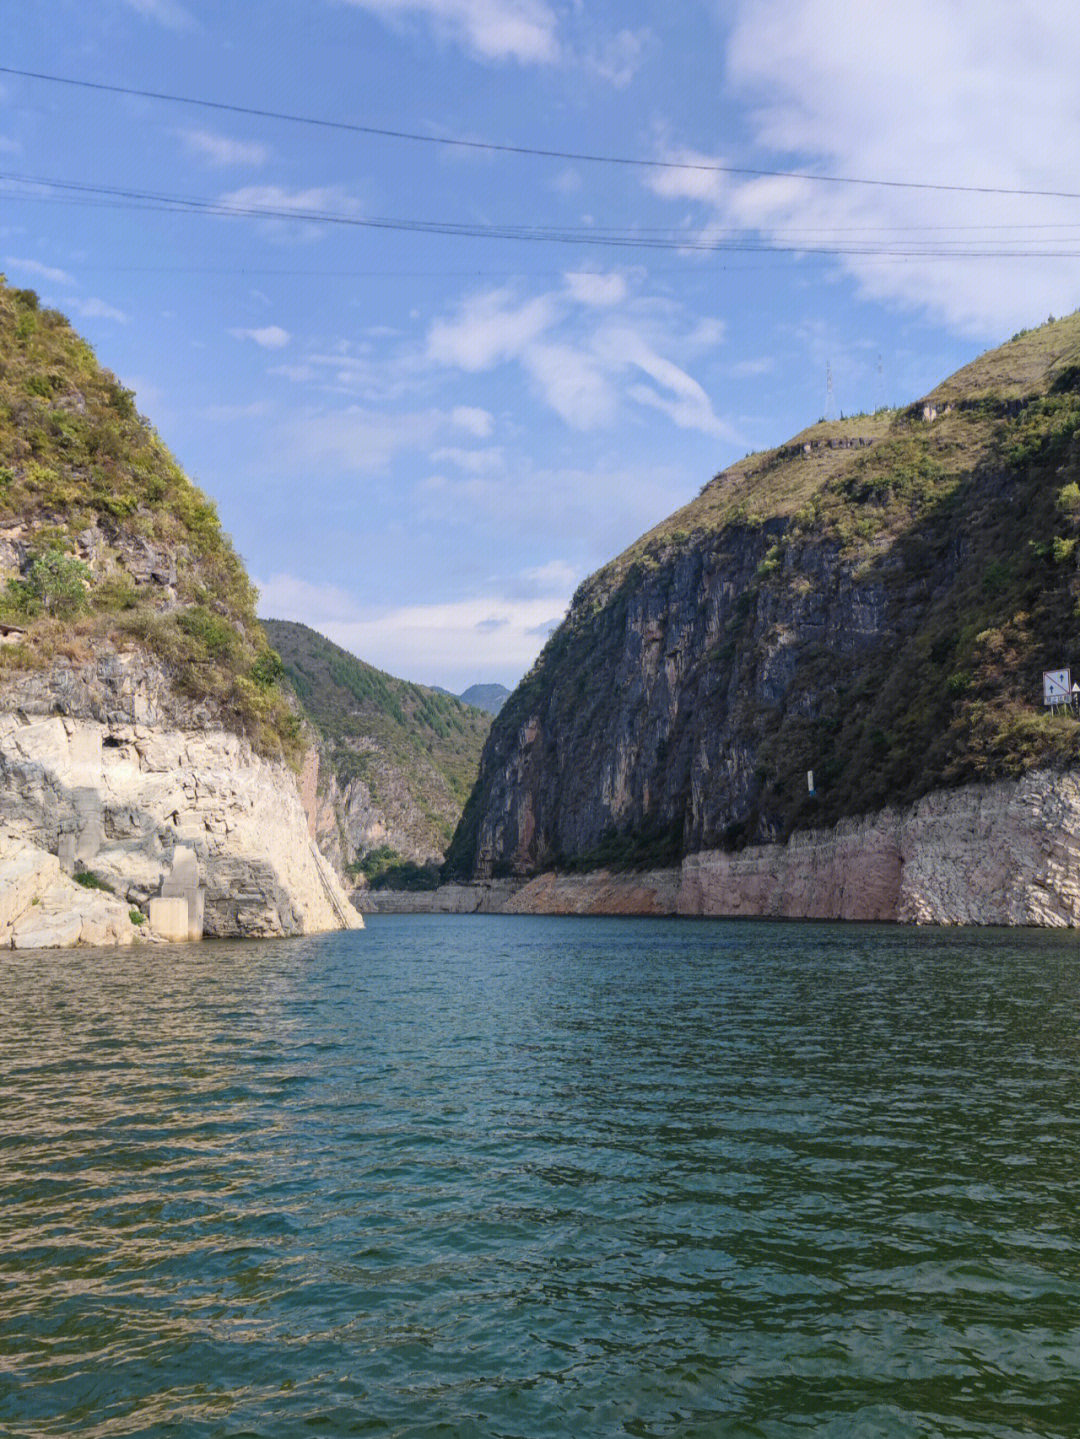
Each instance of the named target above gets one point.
<point>830,398</point>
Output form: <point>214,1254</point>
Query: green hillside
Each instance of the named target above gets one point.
<point>390,733</point>
<point>104,542</point>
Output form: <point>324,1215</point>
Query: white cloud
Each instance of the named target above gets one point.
<point>169,13</point>
<point>685,402</point>
<point>752,368</point>
<point>567,182</point>
<point>916,93</point>
<point>42,272</point>
<point>269,337</point>
<point>93,309</point>
<point>572,382</point>
<point>579,347</point>
<point>475,421</point>
<point>299,212</point>
<point>556,577</point>
<point>223,149</point>
<point>488,328</point>
<point>288,597</point>
<point>471,462</point>
<point>455,643</point>
<point>594,289</point>
<point>521,30</point>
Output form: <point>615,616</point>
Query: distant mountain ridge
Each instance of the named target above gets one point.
<point>483,697</point>
<point>397,759</point>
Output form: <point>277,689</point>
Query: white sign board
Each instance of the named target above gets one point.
<point>1057,687</point>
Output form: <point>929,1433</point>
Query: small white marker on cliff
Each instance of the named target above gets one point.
<point>810,781</point>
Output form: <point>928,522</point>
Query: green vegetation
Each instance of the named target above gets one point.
<point>89,880</point>
<point>136,916</point>
<point>385,868</point>
<point>416,749</point>
<point>77,459</point>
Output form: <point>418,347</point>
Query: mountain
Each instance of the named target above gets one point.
<point>875,601</point>
<point>398,759</point>
<point>486,697</point>
<point>145,738</point>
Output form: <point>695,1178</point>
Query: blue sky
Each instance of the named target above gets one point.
<point>421,441</point>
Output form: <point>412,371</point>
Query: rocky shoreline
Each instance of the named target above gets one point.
<point>107,774</point>
<point>1001,854</point>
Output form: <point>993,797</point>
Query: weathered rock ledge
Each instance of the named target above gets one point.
<point>122,791</point>
<point>1001,854</point>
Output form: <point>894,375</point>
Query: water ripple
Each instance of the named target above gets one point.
<point>528,1178</point>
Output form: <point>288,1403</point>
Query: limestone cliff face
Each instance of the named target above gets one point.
<point>873,602</point>
<point>105,766</point>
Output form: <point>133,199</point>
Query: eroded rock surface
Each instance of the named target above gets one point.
<point>121,797</point>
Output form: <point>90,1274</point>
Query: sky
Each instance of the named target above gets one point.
<point>489,287</point>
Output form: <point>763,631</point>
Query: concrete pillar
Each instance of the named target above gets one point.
<point>169,918</point>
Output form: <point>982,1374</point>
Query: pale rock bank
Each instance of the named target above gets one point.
<point>1006,853</point>
<point>1000,854</point>
<point>166,808</point>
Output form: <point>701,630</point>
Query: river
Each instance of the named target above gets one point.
<point>523,1177</point>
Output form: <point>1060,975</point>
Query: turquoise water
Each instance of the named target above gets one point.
<point>529,1177</point>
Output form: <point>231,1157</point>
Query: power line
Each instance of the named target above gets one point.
<point>79,193</point>
<point>582,157</point>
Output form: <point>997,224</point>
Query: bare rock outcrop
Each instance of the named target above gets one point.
<point>122,788</point>
<point>41,908</point>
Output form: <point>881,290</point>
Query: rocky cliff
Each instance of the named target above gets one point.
<point>873,601</point>
<point>394,764</point>
<point>146,745</point>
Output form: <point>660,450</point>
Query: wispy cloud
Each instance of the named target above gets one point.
<point>589,288</point>
<point>489,328</point>
<point>268,337</point>
<point>584,349</point>
<point>40,271</point>
<point>486,637</point>
<point>223,150</point>
<point>298,212</point>
<point>94,309</point>
<point>830,88</point>
<point>474,421</point>
<point>521,30</point>
<point>356,440</point>
<point>617,58</point>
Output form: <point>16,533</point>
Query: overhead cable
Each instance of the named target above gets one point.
<point>578,156</point>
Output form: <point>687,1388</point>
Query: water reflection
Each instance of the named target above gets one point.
<point>529,1177</point>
